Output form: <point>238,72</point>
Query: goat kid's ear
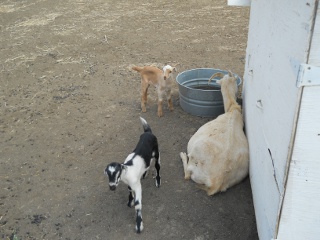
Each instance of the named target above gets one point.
<point>175,64</point>
<point>219,82</point>
<point>167,73</point>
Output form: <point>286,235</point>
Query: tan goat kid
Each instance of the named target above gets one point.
<point>161,79</point>
<point>218,153</point>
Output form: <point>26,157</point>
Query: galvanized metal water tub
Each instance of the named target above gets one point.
<point>196,96</point>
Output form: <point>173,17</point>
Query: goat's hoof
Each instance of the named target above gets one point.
<point>139,229</point>
<point>139,226</point>
<point>158,182</point>
<point>183,157</point>
<point>130,204</point>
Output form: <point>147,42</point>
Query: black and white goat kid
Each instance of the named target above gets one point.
<point>134,168</point>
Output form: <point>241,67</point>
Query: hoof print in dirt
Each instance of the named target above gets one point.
<point>37,219</point>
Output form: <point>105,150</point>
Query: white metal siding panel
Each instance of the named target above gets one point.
<point>314,57</point>
<point>264,187</point>
<point>300,218</point>
<point>278,43</point>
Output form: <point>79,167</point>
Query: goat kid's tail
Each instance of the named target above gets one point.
<point>138,69</point>
<point>145,125</point>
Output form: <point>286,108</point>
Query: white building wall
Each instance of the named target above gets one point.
<point>278,42</point>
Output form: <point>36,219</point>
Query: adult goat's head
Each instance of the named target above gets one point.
<point>228,82</point>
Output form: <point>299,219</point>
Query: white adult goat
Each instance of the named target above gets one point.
<point>218,153</point>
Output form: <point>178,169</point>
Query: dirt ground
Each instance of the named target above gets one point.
<point>70,105</point>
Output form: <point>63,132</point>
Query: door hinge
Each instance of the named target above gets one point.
<point>308,75</point>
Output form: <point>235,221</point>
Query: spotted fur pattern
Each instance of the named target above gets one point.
<point>136,167</point>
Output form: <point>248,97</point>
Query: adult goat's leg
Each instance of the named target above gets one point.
<point>184,158</point>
